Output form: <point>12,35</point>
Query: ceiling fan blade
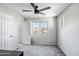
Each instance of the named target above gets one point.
<point>33,5</point>
<point>45,8</point>
<point>41,13</point>
<point>26,10</point>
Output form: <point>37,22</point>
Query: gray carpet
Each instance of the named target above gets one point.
<point>40,50</point>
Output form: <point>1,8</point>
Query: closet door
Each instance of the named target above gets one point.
<point>0,33</point>
<point>11,35</point>
<point>8,33</point>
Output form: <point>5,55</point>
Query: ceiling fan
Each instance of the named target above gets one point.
<point>36,11</point>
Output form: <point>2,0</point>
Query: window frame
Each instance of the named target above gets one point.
<point>40,21</point>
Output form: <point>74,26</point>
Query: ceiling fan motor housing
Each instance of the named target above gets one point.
<point>36,11</point>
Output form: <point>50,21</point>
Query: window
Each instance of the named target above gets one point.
<point>39,26</point>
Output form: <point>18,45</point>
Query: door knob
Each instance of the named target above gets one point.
<point>29,33</point>
<point>11,36</point>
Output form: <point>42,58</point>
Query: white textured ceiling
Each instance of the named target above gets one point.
<point>56,8</point>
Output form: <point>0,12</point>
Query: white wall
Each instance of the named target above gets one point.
<point>19,20</point>
<point>68,34</point>
<point>47,38</point>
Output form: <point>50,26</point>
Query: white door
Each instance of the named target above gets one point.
<point>26,36</point>
<point>8,32</point>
